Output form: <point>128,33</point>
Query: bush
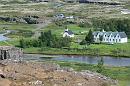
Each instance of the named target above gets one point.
<point>83,42</point>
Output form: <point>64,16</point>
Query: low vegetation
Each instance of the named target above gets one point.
<point>118,73</point>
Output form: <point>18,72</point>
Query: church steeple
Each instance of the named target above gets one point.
<point>103,30</point>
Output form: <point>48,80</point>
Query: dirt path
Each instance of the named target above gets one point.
<point>39,27</point>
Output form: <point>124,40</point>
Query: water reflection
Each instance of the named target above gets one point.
<point>111,61</point>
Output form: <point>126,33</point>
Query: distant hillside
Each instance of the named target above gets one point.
<point>13,1</point>
<point>25,1</point>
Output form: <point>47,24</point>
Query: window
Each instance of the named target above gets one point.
<point>119,40</point>
<point>113,39</point>
<point>110,39</point>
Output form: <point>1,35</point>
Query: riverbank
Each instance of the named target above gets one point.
<point>121,73</point>
<point>91,52</point>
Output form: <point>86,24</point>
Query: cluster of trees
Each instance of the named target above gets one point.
<point>113,25</point>
<point>24,19</point>
<point>47,39</point>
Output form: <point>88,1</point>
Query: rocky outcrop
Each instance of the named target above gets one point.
<point>24,19</point>
<point>48,74</point>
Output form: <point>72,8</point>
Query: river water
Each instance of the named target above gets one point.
<point>110,61</point>
<point>3,38</point>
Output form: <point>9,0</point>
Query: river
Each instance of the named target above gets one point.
<point>108,60</point>
<point>4,38</point>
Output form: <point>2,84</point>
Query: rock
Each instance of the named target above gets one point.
<point>48,74</point>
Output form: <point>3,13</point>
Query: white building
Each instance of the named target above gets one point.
<point>125,11</point>
<point>68,33</point>
<point>110,37</point>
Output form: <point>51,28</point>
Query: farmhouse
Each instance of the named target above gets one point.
<point>110,37</point>
<point>68,33</point>
<point>10,52</point>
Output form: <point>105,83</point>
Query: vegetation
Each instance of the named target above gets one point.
<point>88,18</point>
<point>119,50</point>
<point>100,67</point>
<point>113,25</point>
<point>88,39</point>
<point>118,73</point>
<point>46,40</point>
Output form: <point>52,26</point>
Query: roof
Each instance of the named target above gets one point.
<point>108,33</point>
<point>69,32</point>
<point>122,34</point>
<point>114,34</point>
<point>96,33</point>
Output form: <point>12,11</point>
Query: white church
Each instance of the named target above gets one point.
<point>68,33</point>
<point>110,37</point>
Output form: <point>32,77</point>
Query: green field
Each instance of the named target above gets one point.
<point>121,50</point>
<point>118,50</point>
<point>58,30</point>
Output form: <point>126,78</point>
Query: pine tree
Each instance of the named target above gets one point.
<point>89,38</point>
<point>22,43</point>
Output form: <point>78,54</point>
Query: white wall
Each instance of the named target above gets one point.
<point>124,40</point>
<point>66,34</point>
<point>110,39</point>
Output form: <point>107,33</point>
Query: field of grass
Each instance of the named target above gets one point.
<point>118,50</point>
<point>58,30</point>
<point>18,30</point>
<point>16,26</point>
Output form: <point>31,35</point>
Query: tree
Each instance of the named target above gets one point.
<point>47,39</point>
<point>22,43</point>
<point>83,42</point>
<point>100,64</point>
<point>89,38</point>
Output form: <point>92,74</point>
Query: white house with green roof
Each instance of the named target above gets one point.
<point>110,37</point>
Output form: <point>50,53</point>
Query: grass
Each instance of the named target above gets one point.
<point>19,30</point>
<point>105,49</point>
<point>13,42</point>
<point>58,30</point>
<point>75,49</point>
